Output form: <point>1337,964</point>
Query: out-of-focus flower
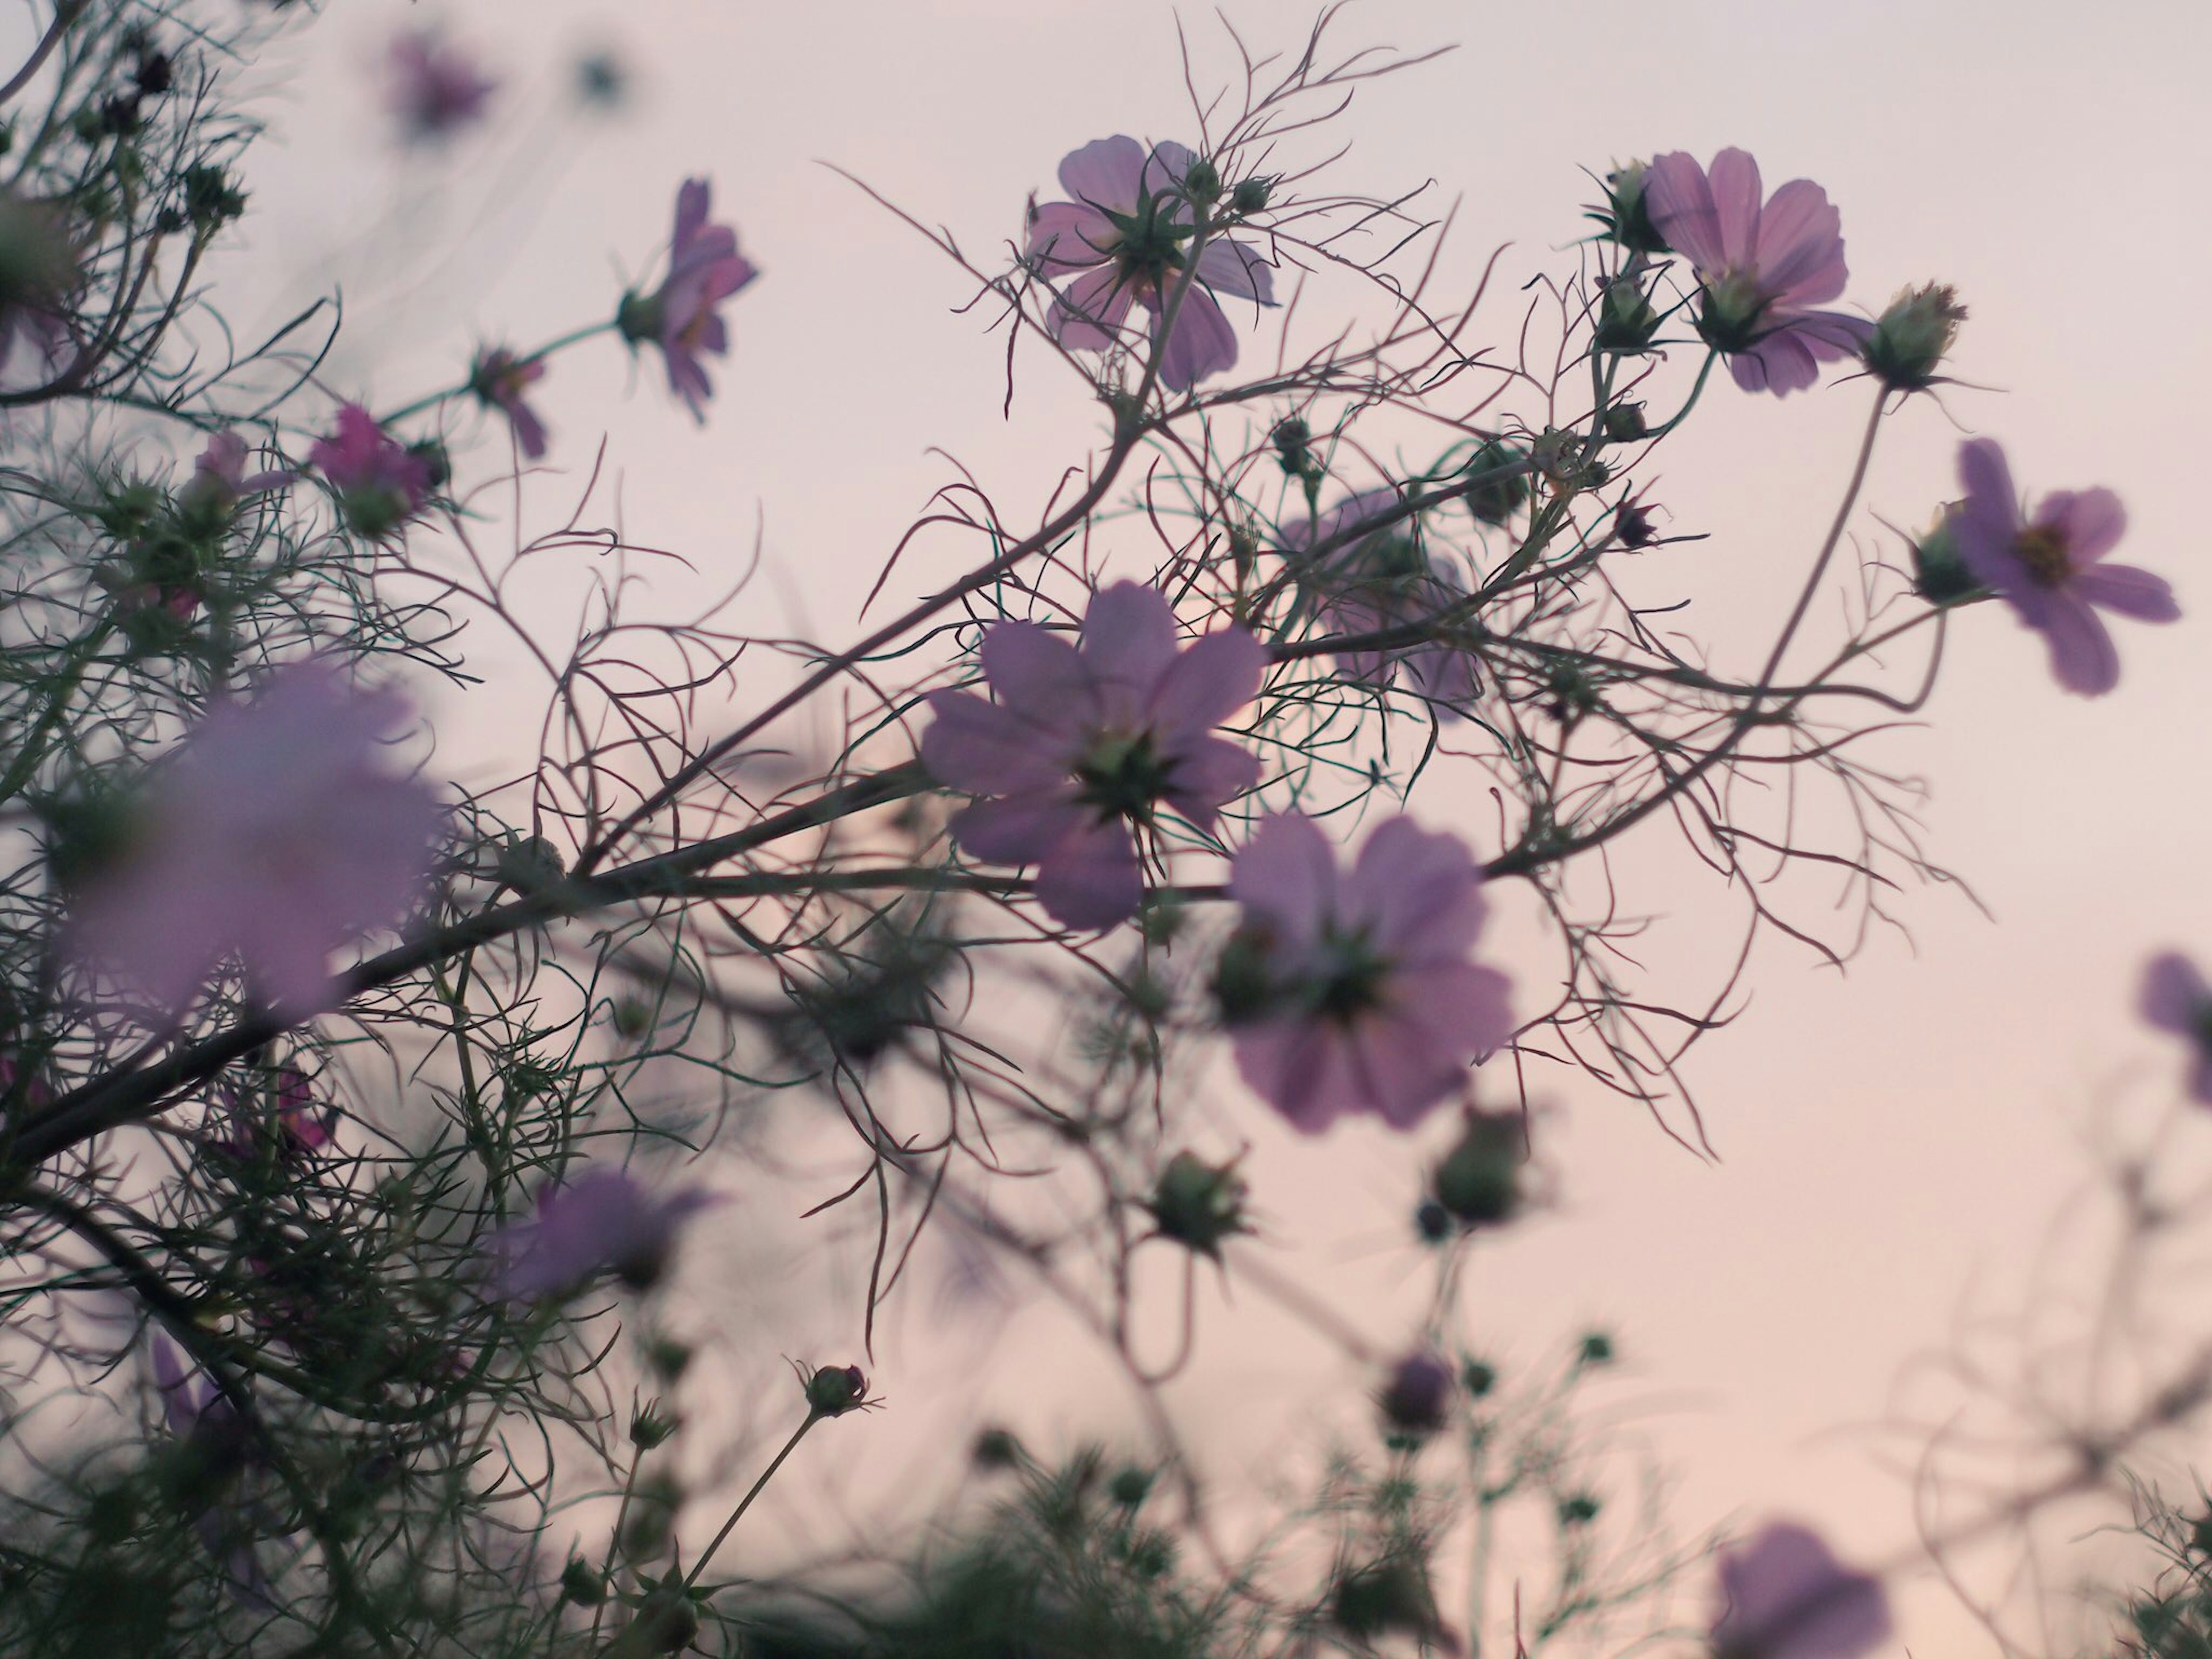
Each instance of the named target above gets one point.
<point>833,1390</point>
<point>1783,1596</point>
<point>1199,1204</point>
<point>1086,741</point>
<point>2051,569</point>
<point>1479,1184</point>
<point>1386,581</point>
<point>2176,998</point>
<point>604,1221</point>
<point>499,379</point>
<point>1351,991</point>
<point>275,835</point>
<point>704,268</point>
<point>437,89</point>
<point>37,269</point>
<point>1417,1397</point>
<point>380,482</point>
<point>219,481</point>
<point>302,1124</point>
<point>213,1448</point>
<point>1764,267</point>
<point>1126,230</point>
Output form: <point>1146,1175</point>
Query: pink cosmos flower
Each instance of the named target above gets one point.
<point>1351,991</point>
<point>1086,740</point>
<point>436,89</point>
<point>1386,581</point>
<point>704,268</point>
<point>2176,998</point>
<point>219,481</point>
<point>1125,228</point>
<point>604,1221</point>
<point>275,835</point>
<point>499,379</point>
<point>1783,1596</point>
<point>2051,571</point>
<point>380,482</point>
<point>1763,267</point>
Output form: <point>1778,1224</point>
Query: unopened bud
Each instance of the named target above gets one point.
<point>1202,182</point>
<point>1939,574</point>
<point>1251,195</point>
<point>1417,1399</point>
<point>1198,1204</point>
<point>836,1390</point>
<point>1911,338</point>
<point>1479,1180</point>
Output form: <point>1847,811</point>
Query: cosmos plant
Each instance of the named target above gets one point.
<point>423,1022</point>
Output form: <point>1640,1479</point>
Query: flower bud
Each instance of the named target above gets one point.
<point>1130,1487</point>
<point>581,1584</point>
<point>1202,182</point>
<point>1477,1378</point>
<point>1911,338</point>
<point>1198,1204</point>
<point>1577,1509</point>
<point>1596,1350</point>
<point>667,1618</point>
<point>1389,1595</point>
<point>1625,318</point>
<point>1626,216</point>
<point>1479,1180</point>
<point>1632,525</point>
<point>1417,1399</point>
<point>650,1427</point>
<point>995,1449</point>
<point>1433,1222</point>
<point>836,1390</point>
<point>1251,195</point>
<point>1939,574</point>
<point>637,319</point>
<point>1625,422</point>
<point>1499,499</point>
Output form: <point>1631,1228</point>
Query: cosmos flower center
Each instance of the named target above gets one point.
<point>1734,304</point>
<point>1352,972</point>
<point>1147,243</point>
<point>1121,773</point>
<point>2042,549</point>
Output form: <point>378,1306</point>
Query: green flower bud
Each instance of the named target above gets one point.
<point>650,1427</point>
<point>836,1390</point>
<point>995,1449</point>
<point>1198,1204</point>
<point>1577,1509</point>
<point>1626,218</point>
<point>1939,574</point>
<point>582,1584</point>
<point>1202,182</point>
<point>1913,338</point>
<point>1596,1350</point>
<point>1499,499</point>
<point>1625,422</point>
<point>1478,1181</point>
<point>1251,195</point>
<point>1625,318</point>
<point>667,1618</point>
<point>1130,1487</point>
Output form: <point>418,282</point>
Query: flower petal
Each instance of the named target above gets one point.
<point>1089,311</point>
<point>1285,878</point>
<point>1017,828</point>
<point>1104,173</point>
<point>1680,199</point>
<point>987,748</point>
<point>2174,996</point>
<point>1799,254</point>
<point>1068,236</point>
<point>1734,179</point>
<point>1417,891</point>
<point>1217,675</point>
<point>2082,657</point>
<point>2130,592</point>
<point>1202,345</point>
<point>1129,639</point>
<point>2092,521</point>
<point>1228,266</point>
<point>1090,879</point>
<point>1038,672</point>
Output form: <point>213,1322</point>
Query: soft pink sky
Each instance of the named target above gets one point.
<point>1891,1138</point>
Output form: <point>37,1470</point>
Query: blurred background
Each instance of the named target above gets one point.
<point>1901,1151</point>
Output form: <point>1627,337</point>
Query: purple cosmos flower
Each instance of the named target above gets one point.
<point>1125,229</point>
<point>219,481</point>
<point>1782,1595</point>
<point>2051,571</point>
<point>1381,581</point>
<point>1086,741</point>
<point>435,88</point>
<point>604,1221</point>
<point>1763,267</point>
<point>499,379</point>
<point>273,833</point>
<point>380,482</point>
<point>704,268</point>
<point>214,1449</point>
<point>2176,998</point>
<point>1351,991</point>
<point>1417,1400</point>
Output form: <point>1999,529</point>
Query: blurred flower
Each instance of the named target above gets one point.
<point>302,1124</point>
<point>1126,230</point>
<point>2051,571</point>
<point>1199,1204</point>
<point>704,268</point>
<point>213,1446</point>
<point>499,379</point>
<point>1763,268</point>
<point>604,1221</point>
<point>37,269</point>
<point>1351,991</point>
<point>436,90</point>
<point>219,481</point>
<point>380,483</point>
<point>2176,998</point>
<point>272,834</point>
<point>1417,1399</point>
<point>1086,741</point>
<point>1386,581</point>
<point>1782,1595</point>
